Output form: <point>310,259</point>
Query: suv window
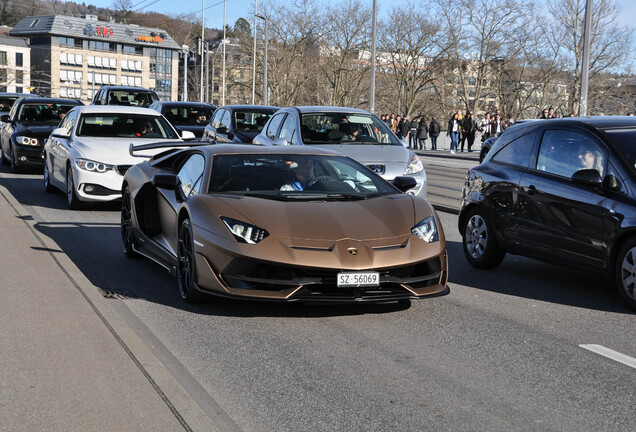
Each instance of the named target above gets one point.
<point>272,129</point>
<point>216,121</point>
<point>564,152</point>
<point>287,131</point>
<point>517,152</point>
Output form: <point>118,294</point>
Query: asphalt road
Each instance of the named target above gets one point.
<point>501,352</point>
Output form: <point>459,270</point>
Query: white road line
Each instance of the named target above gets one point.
<point>611,354</point>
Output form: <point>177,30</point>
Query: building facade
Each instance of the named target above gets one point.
<point>15,65</point>
<point>72,57</point>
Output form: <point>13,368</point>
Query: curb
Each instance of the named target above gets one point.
<point>177,400</point>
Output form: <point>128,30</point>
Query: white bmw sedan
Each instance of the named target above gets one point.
<point>87,155</point>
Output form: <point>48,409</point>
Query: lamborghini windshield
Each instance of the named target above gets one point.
<point>295,176</point>
<point>345,128</point>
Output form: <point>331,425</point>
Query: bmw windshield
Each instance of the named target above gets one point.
<point>295,177</point>
<point>345,128</point>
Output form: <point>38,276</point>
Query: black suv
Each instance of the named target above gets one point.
<point>125,95</point>
<point>26,127</point>
<point>562,191</point>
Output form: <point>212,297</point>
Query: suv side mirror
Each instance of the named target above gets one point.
<point>589,177</point>
<point>222,130</point>
<point>5,118</point>
<point>60,132</point>
<point>611,182</point>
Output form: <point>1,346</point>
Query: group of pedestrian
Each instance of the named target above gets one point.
<point>414,133</point>
<point>463,128</point>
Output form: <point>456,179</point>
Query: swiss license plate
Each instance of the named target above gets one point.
<point>356,279</point>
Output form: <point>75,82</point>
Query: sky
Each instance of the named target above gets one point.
<point>245,8</point>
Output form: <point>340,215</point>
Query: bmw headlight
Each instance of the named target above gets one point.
<point>415,165</point>
<point>426,230</point>
<point>244,232</point>
<point>25,140</point>
<point>89,165</point>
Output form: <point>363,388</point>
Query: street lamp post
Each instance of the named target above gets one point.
<point>224,26</point>
<point>373,37</point>
<point>202,44</point>
<point>186,54</point>
<point>265,92</point>
<point>585,66</point>
<point>254,56</point>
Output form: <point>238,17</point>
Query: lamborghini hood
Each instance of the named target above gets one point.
<point>371,219</point>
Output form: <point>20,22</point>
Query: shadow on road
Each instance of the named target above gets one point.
<point>536,280</point>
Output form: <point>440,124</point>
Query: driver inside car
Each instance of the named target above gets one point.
<point>303,175</point>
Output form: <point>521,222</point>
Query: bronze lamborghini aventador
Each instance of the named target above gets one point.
<point>281,223</point>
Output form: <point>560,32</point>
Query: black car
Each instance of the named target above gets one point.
<point>124,95</point>
<point>237,123</point>
<point>26,127</point>
<point>7,99</point>
<point>562,191</point>
<point>186,116</point>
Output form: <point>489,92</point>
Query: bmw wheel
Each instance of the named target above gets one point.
<point>626,273</point>
<point>71,196</point>
<point>48,187</point>
<point>186,266</point>
<point>127,239</point>
<point>480,246</point>
<point>15,168</point>
<point>3,157</point>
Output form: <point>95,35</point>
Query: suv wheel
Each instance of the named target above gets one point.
<point>478,239</point>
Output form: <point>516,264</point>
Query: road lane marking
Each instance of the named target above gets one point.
<point>611,354</point>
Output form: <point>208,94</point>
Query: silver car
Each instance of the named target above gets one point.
<point>354,132</point>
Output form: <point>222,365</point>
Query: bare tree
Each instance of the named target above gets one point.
<point>411,46</point>
<point>609,45</point>
<point>293,30</point>
<point>344,35</point>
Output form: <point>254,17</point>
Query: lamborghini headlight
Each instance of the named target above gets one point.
<point>414,166</point>
<point>244,232</point>
<point>25,140</point>
<point>426,230</point>
<point>93,166</point>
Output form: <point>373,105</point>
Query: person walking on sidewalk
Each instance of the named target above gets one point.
<point>421,134</point>
<point>413,135</point>
<point>434,129</point>
<point>454,128</point>
<point>403,130</point>
<point>469,129</point>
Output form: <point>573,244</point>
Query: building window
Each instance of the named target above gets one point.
<point>19,90</point>
<point>71,59</point>
<point>3,58</point>
<point>131,49</point>
<point>3,76</point>
<point>70,76</point>
<point>19,59</point>
<point>131,65</point>
<point>100,46</point>
<point>19,76</point>
<point>101,78</point>
<point>131,80</point>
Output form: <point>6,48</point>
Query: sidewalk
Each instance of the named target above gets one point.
<point>67,363</point>
<point>472,156</point>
